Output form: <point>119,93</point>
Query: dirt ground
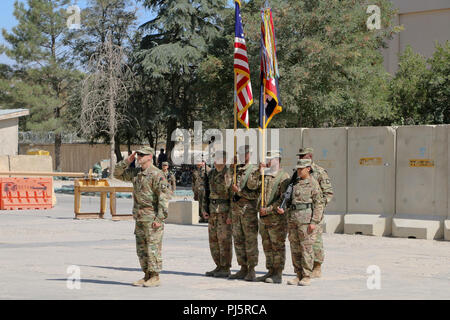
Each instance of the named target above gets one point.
<point>42,251</point>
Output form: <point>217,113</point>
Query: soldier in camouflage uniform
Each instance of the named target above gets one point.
<point>304,214</point>
<point>321,175</point>
<point>219,217</point>
<point>272,225</point>
<point>198,185</point>
<point>151,195</point>
<point>246,192</point>
<point>169,176</point>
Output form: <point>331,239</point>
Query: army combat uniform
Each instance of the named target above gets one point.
<point>170,178</point>
<point>321,175</point>
<point>306,208</point>
<point>151,195</point>
<point>198,186</point>
<point>245,220</point>
<point>219,232</point>
<point>273,226</point>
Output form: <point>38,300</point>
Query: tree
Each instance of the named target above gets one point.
<point>102,18</point>
<point>43,74</point>
<point>330,63</point>
<point>438,101</point>
<point>408,89</point>
<point>173,46</point>
<point>102,90</point>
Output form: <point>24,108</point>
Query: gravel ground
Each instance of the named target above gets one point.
<point>37,249</point>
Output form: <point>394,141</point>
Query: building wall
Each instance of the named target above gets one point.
<point>9,136</point>
<point>425,22</point>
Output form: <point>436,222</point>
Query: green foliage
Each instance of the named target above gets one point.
<point>420,90</point>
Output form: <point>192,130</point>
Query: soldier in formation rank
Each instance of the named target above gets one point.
<point>198,185</point>
<point>246,192</point>
<point>304,214</point>
<point>219,217</point>
<point>321,175</point>
<point>273,225</point>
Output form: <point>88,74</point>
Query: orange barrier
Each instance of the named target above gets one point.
<point>25,193</point>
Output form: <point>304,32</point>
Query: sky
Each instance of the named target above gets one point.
<point>8,21</point>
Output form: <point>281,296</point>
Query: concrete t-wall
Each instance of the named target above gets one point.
<point>422,179</point>
<point>9,139</point>
<point>330,152</point>
<point>371,181</point>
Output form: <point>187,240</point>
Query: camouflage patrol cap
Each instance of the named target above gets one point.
<point>274,154</point>
<point>146,150</point>
<point>245,149</point>
<point>165,163</point>
<point>303,163</point>
<point>304,151</point>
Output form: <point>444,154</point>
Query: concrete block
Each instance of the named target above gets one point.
<point>4,163</point>
<point>371,180</point>
<point>422,182</point>
<point>447,230</point>
<point>368,224</point>
<point>418,226</point>
<point>183,212</point>
<point>31,163</point>
<point>330,152</point>
<point>333,223</point>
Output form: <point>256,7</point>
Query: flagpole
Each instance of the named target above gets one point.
<point>235,128</point>
<point>263,144</point>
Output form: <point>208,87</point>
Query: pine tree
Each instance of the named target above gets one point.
<point>174,44</point>
<point>43,74</point>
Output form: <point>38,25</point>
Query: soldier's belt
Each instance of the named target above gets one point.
<point>219,201</point>
<point>301,206</point>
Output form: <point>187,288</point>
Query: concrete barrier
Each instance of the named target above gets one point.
<point>422,177</point>
<point>4,163</point>
<point>447,222</point>
<point>31,163</point>
<point>183,212</point>
<point>371,181</point>
<point>330,152</point>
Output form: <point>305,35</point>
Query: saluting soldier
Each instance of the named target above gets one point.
<point>273,225</point>
<point>246,192</point>
<point>321,175</point>
<point>219,218</point>
<point>151,196</point>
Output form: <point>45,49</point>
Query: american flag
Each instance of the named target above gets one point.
<point>243,97</point>
<point>270,102</point>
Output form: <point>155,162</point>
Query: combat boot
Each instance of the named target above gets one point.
<point>317,270</point>
<point>276,277</point>
<point>306,281</point>
<point>211,273</point>
<point>141,282</point>
<point>222,273</point>
<point>264,277</point>
<point>251,275</point>
<point>240,274</point>
<point>295,281</point>
<point>153,281</point>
